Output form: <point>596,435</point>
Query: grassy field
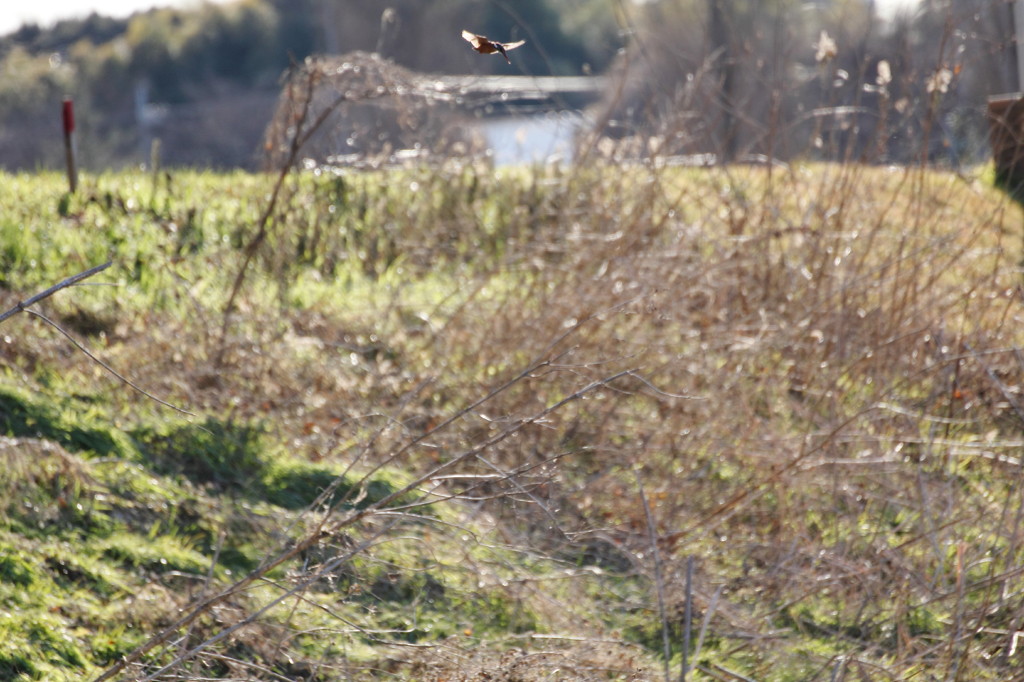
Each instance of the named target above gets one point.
<point>466,423</point>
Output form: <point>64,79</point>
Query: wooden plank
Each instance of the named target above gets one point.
<point>1006,136</point>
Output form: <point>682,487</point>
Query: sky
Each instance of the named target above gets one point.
<point>45,12</point>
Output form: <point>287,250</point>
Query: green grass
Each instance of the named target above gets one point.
<point>819,406</point>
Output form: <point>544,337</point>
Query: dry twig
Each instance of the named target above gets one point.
<point>22,306</point>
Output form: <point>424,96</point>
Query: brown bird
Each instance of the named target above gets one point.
<point>485,45</point>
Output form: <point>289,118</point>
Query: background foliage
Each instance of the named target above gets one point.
<point>723,76</point>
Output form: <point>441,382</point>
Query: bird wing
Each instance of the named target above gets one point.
<point>474,39</point>
<point>512,46</point>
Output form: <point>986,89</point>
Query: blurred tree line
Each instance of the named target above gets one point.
<point>205,79</point>
<point>732,77</point>
<point>829,79</point>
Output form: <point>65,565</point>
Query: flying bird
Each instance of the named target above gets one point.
<point>485,45</point>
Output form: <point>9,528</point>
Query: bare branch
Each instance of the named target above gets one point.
<point>349,519</point>
<point>69,282</point>
<point>120,377</point>
<point>24,307</point>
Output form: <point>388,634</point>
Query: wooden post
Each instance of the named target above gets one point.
<point>1006,135</point>
<point>1018,29</point>
<point>69,146</point>
<point>1006,120</point>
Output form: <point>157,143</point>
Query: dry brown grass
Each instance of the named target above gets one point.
<point>821,404</point>
<point>816,389</point>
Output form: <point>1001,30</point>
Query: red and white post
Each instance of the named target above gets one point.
<point>69,146</point>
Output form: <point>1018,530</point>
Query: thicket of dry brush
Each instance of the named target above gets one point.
<point>805,378</point>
